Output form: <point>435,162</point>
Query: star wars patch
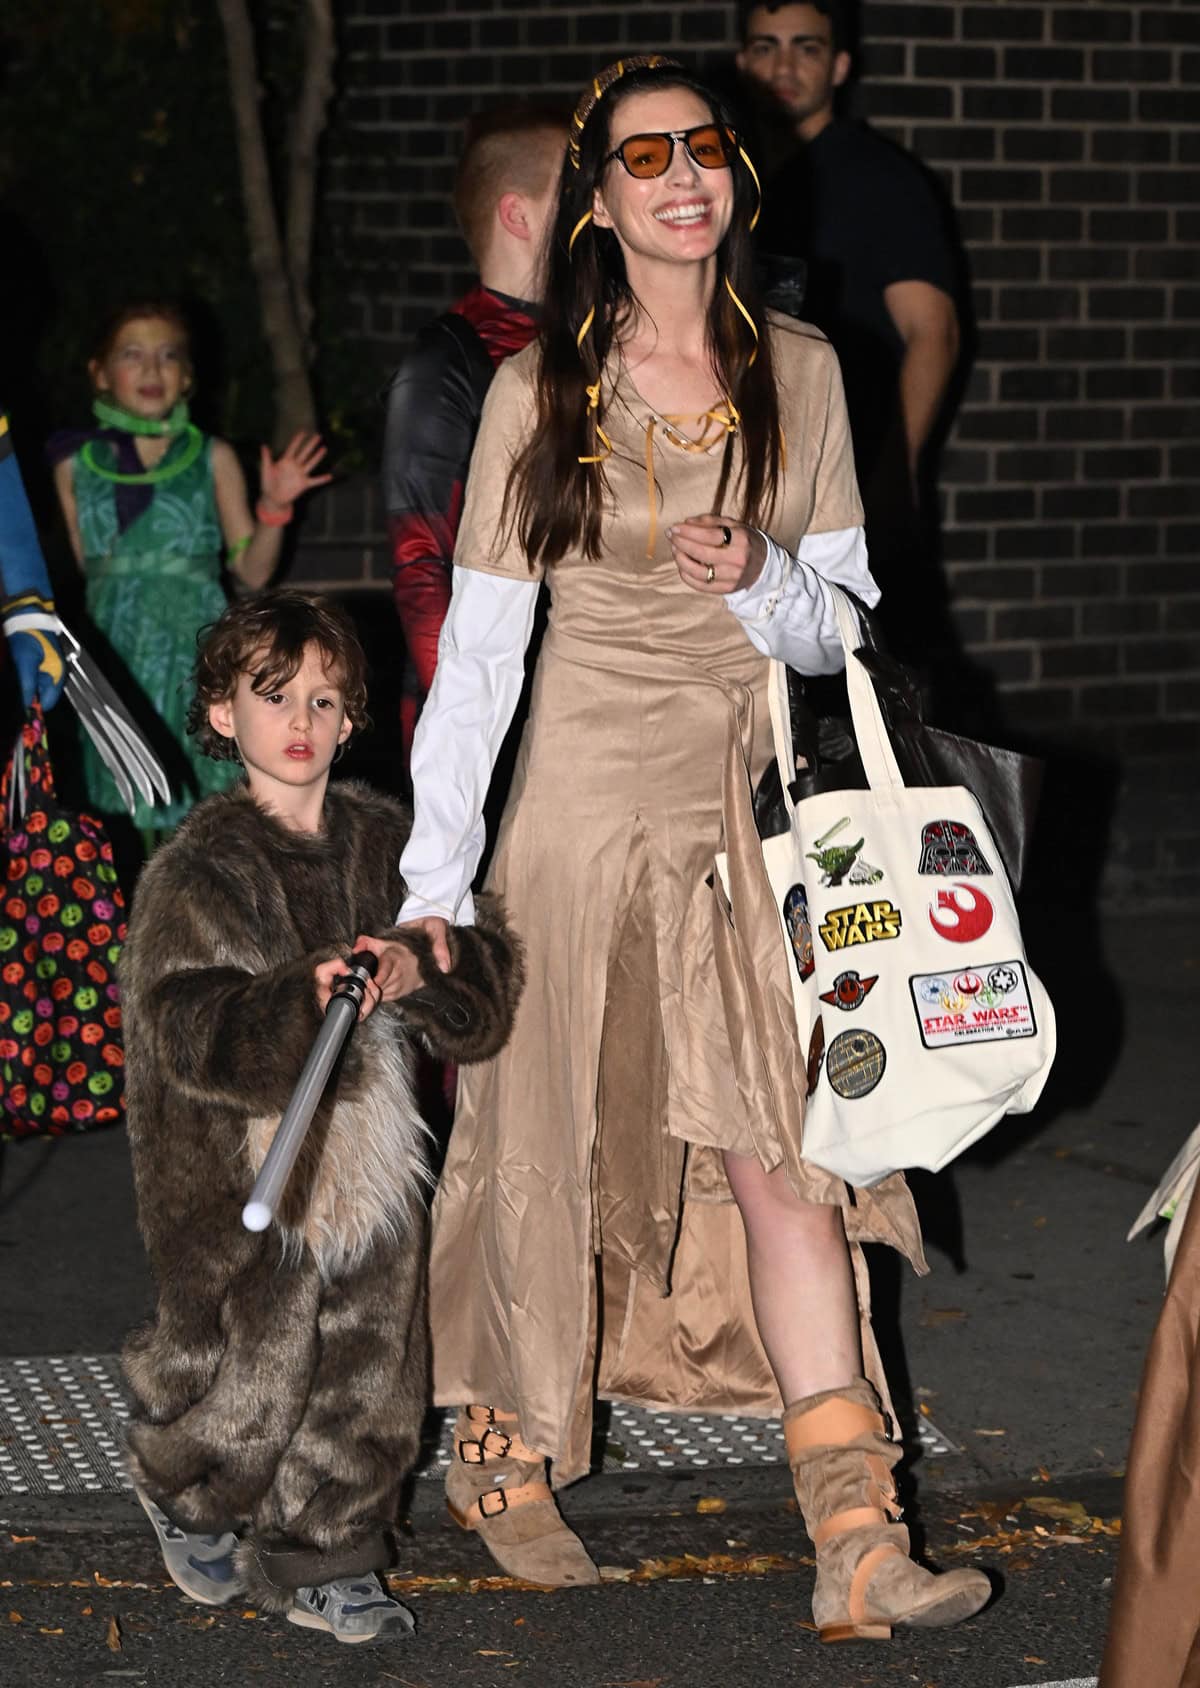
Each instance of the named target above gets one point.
<point>977,1005</point>
<point>841,861</point>
<point>849,991</point>
<point>855,1064</point>
<point>950,847</point>
<point>799,929</point>
<point>816,1053</point>
<point>961,914</point>
<point>860,923</point>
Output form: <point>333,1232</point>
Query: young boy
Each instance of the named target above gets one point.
<point>280,1388</point>
<point>504,198</point>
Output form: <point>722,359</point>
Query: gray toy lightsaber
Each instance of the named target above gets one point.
<point>340,1016</point>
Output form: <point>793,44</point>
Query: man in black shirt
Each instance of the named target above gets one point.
<point>880,277</point>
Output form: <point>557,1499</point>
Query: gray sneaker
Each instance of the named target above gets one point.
<point>353,1609</point>
<point>202,1566</point>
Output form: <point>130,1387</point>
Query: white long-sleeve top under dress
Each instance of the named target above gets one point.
<point>787,614</point>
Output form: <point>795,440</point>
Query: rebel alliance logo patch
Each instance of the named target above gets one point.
<point>850,991</point>
<point>950,847</point>
<point>961,914</point>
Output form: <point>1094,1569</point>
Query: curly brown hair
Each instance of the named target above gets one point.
<point>266,636</point>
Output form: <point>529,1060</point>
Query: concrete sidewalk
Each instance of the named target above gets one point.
<point>1020,1354</point>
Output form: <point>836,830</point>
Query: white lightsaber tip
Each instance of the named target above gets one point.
<point>256,1216</point>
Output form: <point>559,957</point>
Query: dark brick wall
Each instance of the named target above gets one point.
<point>1064,135</point>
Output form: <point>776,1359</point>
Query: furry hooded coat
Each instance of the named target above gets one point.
<point>280,1388</point>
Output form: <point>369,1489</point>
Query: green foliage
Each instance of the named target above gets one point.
<point>119,178</point>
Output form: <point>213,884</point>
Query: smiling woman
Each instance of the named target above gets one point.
<point>625,1204</point>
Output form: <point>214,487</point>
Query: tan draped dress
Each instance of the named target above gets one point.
<point>584,1236</point>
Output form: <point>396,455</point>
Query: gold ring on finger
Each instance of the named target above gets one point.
<point>710,573</point>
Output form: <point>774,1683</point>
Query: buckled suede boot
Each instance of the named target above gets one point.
<point>841,1460</point>
<point>497,1487</point>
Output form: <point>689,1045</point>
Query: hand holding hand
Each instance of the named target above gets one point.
<point>716,554</point>
<point>398,972</point>
<point>284,480</point>
<point>326,975</point>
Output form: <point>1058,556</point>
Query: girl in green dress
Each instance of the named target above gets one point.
<point>150,505</point>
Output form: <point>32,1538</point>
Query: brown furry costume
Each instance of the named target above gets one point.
<point>281,1386</point>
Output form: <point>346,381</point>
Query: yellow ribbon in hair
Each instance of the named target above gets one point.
<point>587,322</point>
<point>749,163</point>
<point>593,393</point>
<point>748,317</point>
<point>578,230</point>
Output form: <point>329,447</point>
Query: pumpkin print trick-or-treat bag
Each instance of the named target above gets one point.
<point>921,1022</point>
<point>61,928</point>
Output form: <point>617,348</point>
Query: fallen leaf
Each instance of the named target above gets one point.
<point>42,1630</point>
<point>250,1614</point>
<point>112,1639</point>
<point>19,1539</point>
<point>15,1618</point>
<point>991,1432</point>
<point>1070,1511</point>
<point>710,1503</point>
<point>1032,1659</point>
<point>492,1653</point>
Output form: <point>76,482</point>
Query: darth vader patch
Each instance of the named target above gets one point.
<point>950,847</point>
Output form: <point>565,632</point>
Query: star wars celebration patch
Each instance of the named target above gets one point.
<point>850,991</point>
<point>816,1053</point>
<point>799,929</point>
<point>860,923</point>
<point>988,1004</point>
<point>950,847</point>
<point>844,861</point>
<point>962,914</point>
<point>854,1064</point>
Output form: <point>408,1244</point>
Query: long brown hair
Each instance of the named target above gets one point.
<point>556,500</point>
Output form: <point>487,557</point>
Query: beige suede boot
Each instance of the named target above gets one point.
<point>841,1460</point>
<point>497,1487</point>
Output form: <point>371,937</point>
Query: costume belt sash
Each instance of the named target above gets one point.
<point>158,565</point>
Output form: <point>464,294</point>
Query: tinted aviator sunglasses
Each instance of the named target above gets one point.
<point>708,145</point>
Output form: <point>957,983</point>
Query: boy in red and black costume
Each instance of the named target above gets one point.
<point>503,196</point>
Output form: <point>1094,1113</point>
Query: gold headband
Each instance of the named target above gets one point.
<point>600,85</point>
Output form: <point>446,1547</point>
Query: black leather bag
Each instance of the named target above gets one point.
<point>1006,783</point>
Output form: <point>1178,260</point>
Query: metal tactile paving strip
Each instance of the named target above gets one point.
<point>62,1422</point>
<point>61,1426</point>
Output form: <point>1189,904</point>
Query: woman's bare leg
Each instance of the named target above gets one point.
<point>801,1282</point>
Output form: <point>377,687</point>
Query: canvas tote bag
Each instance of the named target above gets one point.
<point>918,1014</point>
